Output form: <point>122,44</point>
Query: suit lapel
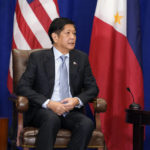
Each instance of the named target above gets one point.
<point>73,68</point>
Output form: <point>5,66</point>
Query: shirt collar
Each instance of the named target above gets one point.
<point>57,53</point>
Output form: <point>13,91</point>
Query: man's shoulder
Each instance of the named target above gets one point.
<point>79,53</point>
<point>41,52</point>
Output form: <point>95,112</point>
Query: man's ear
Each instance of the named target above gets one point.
<point>55,37</point>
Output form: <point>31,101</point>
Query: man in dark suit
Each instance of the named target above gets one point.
<point>58,89</point>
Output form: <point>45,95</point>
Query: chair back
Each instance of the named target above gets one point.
<point>20,59</point>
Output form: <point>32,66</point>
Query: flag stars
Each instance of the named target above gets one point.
<point>118,18</point>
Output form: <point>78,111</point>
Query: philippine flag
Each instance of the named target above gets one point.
<point>115,54</point>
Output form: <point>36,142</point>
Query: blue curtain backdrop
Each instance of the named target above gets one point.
<point>6,26</point>
<point>81,12</point>
<point>145,22</point>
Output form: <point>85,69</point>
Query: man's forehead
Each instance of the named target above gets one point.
<point>69,27</point>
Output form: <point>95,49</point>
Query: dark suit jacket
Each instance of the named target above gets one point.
<point>37,82</point>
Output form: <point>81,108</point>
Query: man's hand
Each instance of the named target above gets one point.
<point>70,103</point>
<point>57,107</point>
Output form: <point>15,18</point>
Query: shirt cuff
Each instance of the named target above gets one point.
<point>80,103</point>
<point>44,105</point>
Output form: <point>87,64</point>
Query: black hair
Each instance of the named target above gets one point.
<point>57,26</point>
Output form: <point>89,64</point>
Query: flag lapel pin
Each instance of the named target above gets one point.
<point>74,63</point>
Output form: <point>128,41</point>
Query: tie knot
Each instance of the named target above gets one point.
<point>63,58</point>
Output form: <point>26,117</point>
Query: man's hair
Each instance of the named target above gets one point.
<point>57,26</point>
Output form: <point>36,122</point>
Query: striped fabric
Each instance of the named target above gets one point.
<point>32,19</point>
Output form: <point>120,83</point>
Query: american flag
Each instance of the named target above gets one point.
<point>32,19</point>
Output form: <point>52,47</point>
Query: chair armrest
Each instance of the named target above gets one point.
<point>22,104</point>
<point>100,105</point>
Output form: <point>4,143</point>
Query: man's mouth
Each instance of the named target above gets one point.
<point>71,43</point>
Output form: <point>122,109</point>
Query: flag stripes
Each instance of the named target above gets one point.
<point>40,12</point>
<point>52,12</point>
<point>31,23</point>
<point>26,31</point>
<point>19,40</point>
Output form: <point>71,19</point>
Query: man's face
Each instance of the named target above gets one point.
<point>66,39</point>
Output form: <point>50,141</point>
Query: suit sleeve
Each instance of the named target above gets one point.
<point>90,89</point>
<point>25,85</point>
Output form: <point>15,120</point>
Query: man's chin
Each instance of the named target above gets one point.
<point>71,47</point>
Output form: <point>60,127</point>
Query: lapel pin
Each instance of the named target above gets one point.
<point>74,63</point>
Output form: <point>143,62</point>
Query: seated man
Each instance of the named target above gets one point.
<point>59,83</point>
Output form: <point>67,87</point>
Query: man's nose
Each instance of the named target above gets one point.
<point>72,35</point>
